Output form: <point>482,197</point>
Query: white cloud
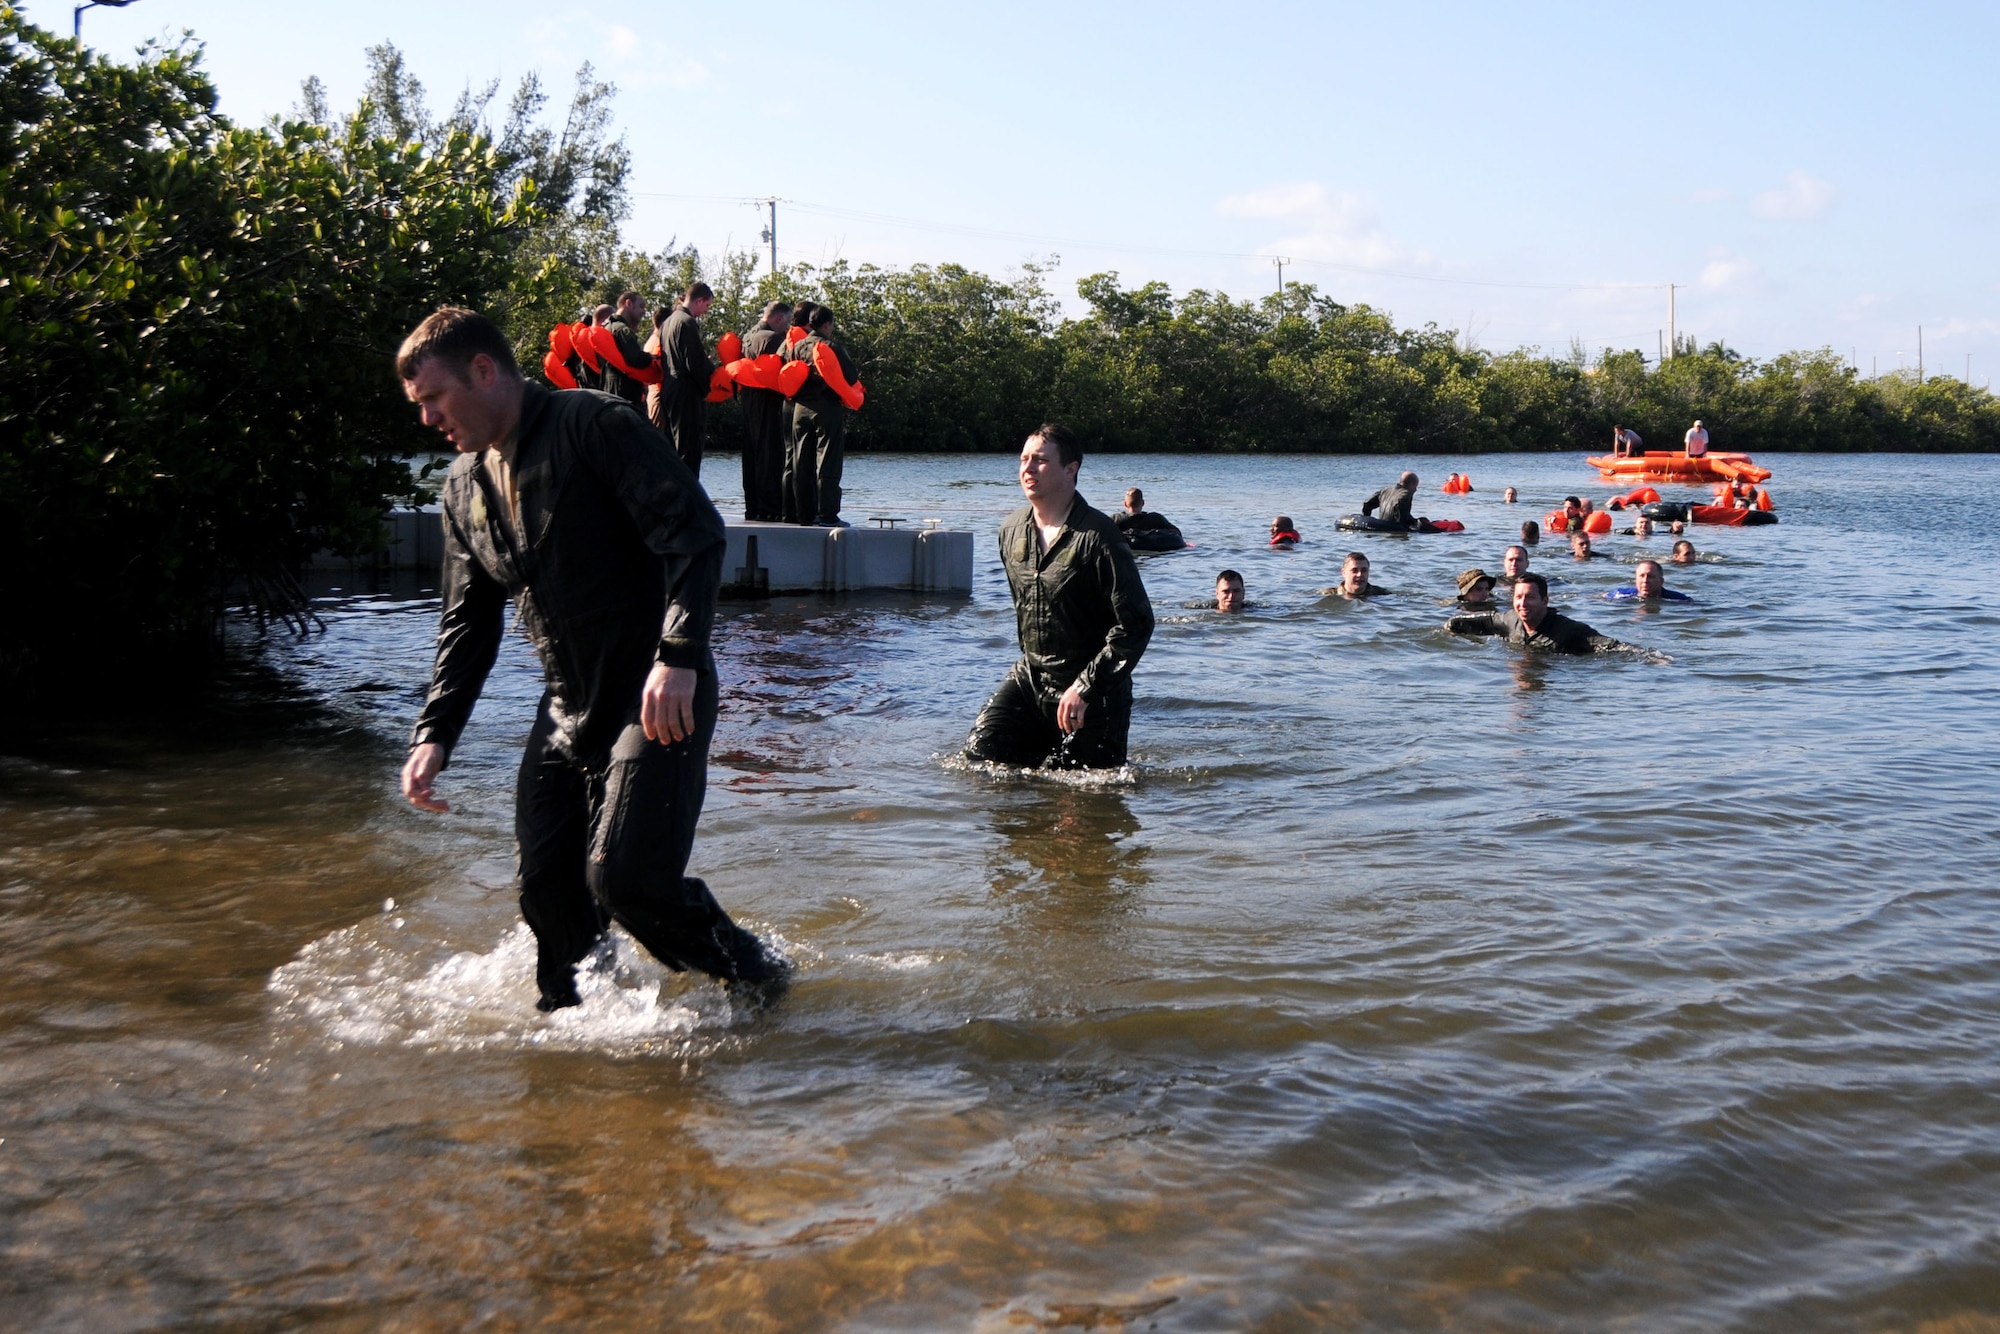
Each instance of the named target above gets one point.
<point>1333,226</point>
<point>1801,197</point>
<point>1727,274</point>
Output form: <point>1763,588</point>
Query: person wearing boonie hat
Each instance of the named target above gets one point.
<point>1475,586</point>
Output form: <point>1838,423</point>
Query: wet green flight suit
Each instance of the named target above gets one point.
<point>1395,501</point>
<point>636,356</point>
<point>819,439</point>
<point>764,413</point>
<point>1557,632</point>
<point>613,559</point>
<point>684,388</point>
<point>1083,619</point>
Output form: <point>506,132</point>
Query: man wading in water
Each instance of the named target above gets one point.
<point>572,503</point>
<point>1083,620</point>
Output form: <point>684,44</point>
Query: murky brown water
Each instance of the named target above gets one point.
<point>1402,984</point>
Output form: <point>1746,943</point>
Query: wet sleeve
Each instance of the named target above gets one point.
<point>1478,623</point>
<point>1368,505</point>
<point>675,521</point>
<point>637,357</point>
<point>1131,623</point>
<point>468,641</point>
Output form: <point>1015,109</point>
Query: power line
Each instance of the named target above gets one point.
<point>961,229</point>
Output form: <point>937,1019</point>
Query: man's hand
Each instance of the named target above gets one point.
<point>1069,710</point>
<point>419,773</point>
<point>666,709</point>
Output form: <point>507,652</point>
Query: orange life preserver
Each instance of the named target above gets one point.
<point>1764,500</point>
<point>1450,486</point>
<point>1556,521</point>
<point>792,377</point>
<point>1645,495</point>
<point>1285,537</point>
<point>756,372</point>
<point>720,385</point>
<point>579,335</point>
<point>729,347</point>
<point>796,334</point>
<point>827,363</point>
<point>1598,523</point>
<point>606,344</point>
<point>556,372</point>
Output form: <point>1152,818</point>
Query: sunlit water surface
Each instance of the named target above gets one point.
<point>1401,983</point>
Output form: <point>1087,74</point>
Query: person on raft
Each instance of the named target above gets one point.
<point>1082,618</point>
<point>1475,588</point>
<point>1354,580</point>
<point>1284,533</point>
<point>764,422</point>
<point>1394,501</point>
<point>1649,584</point>
<point>1533,624</point>
<point>1684,553</point>
<point>1513,564</point>
<point>1626,444</point>
<point>1696,441</point>
<point>619,602</point>
<point>685,371</point>
<point>1229,591</point>
<point>1145,530</point>
<point>627,318</point>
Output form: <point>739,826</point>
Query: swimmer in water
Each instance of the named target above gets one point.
<point>1513,564</point>
<point>1531,534</point>
<point>1641,527</point>
<point>1145,530</point>
<point>1683,552</point>
<point>1354,580</point>
<point>1533,624</point>
<point>1475,588</point>
<point>1579,548</point>
<point>1229,591</point>
<point>1283,534</point>
<point>1508,496</point>
<point>1649,584</point>
<point>1394,501</point>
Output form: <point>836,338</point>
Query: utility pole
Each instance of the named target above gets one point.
<point>771,231</point>
<point>1673,336</point>
<point>1660,339</point>
<point>1280,261</point>
<point>76,27</point>
<point>1968,370</point>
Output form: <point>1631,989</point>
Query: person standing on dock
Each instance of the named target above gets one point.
<point>764,422</point>
<point>1082,618</point>
<point>570,504</point>
<point>1697,441</point>
<point>627,318</point>
<point>819,418</point>
<point>788,495</point>
<point>686,367</point>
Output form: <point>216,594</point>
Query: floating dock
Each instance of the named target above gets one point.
<point>761,559</point>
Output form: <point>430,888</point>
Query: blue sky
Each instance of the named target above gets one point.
<point>1809,175</point>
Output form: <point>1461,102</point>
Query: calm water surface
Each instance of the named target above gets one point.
<point>1401,983</point>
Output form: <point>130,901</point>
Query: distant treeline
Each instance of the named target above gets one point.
<point>957,360</point>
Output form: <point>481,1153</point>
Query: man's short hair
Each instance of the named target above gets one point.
<point>623,297</point>
<point>455,336</point>
<point>1230,575</point>
<point>1650,561</point>
<point>1572,500</point>
<point>778,308</point>
<point>1352,557</point>
<point>602,314</point>
<point>1068,448</point>
<point>1516,547</point>
<point>821,317</point>
<point>1536,582</point>
<point>1136,497</point>
<point>697,291</point>
<point>802,314</point>
<point>1531,530</point>
<point>1407,479</point>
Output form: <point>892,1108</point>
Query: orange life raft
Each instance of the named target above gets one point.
<point>1675,466</point>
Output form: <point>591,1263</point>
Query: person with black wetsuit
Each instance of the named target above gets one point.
<point>1394,502</point>
<point>571,503</point>
<point>686,371</point>
<point>1531,623</point>
<point>1082,617</point>
<point>788,498</point>
<point>1145,530</point>
<point>764,422</point>
<point>628,316</point>
<point>819,426</point>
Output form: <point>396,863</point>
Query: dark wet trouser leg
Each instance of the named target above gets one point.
<point>1107,724</point>
<point>648,799</point>
<point>828,453</point>
<point>788,495</point>
<point>690,422</point>
<point>551,833</point>
<point>1014,728</point>
<point>763,454</point>
<point>804,468</point>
